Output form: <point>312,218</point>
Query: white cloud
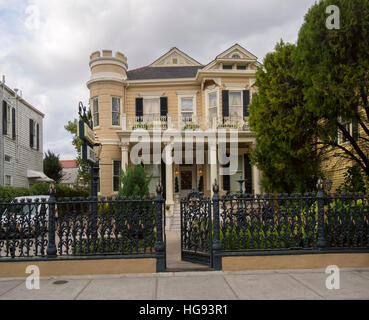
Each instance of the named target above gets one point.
<point>50,65</point>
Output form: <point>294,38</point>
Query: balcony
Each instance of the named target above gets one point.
<point>151,122</point>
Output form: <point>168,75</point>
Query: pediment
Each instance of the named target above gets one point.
<point>232,55</point>
<point>175,58</point>
<point>236,49</point>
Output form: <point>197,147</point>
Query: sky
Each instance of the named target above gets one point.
<point>45,44</point>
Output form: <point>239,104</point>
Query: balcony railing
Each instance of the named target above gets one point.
<point>151,122</point>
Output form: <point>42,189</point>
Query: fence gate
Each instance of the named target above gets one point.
<point>196,229</point>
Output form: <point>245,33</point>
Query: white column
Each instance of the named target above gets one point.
<point>124,148</point>
<point>169,175</point>
<point>213,166</point>
<point>256,179</point>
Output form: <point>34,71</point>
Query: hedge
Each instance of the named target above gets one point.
<point>41,189</point>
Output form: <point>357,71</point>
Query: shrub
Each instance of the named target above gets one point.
<point>134,182</point>
<point>41,189</point>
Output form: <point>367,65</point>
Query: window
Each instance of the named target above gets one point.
<point>187,109</point>
<point>151,107</point>
<point>175,60</point>
<point>31,133</point>
<point>341,137</point>
<point>13,124</point>
<point>34,134</point>
<point>116,171</point>
<point>95,111</point>
<point>7,158</point>
<point>241,67</point>
<point>115,112</point>
<point>236,56</point>
<point>235,104</point>
<point>213,105</point>
<point>8,180</point>
<point>227,67</point>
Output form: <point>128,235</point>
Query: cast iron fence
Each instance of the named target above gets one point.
<point>49,228</point>
<point>313,222</point>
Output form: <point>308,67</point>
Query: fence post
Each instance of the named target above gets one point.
<point>160,246</point>
<point>321,243</point>
<point>217,246</point>
<point>51,246</point>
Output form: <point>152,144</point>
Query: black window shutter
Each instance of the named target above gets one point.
<point>38,136</point>
<point>248,173</point>
<point>246,102</point>
<point>227,178</point>
<point>225,103</point>
<point>355,130</point>
<point>163,106</point>
<point>31,133</point>
<point>13,124</point>
<point>5,117</point>
<point>139,107</point>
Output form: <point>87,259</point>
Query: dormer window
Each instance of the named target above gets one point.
<point>227,66</point>
<point>241,67</point>
<point>236,56</point>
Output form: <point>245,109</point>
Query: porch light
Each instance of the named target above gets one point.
<point>320,184</point>
<point>201,172</point>
<point>177,172</point>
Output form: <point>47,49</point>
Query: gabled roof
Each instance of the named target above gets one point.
<point>68,163</point>
<point>227,55</point>
<point>147,73</point>
<point>175,52</point>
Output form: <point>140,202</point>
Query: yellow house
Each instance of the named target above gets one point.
<point>172,98</point>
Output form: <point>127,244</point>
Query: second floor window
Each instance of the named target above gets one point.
<point>187,109</point>
<point>95,112</point>
<point>34,134</point>
<point>151,107</point>
<point>115,111</point>
<point>235,104</point>
<point>213,105</point>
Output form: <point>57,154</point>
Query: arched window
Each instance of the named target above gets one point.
<point>236,56</point>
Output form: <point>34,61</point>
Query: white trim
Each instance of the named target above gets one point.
<point>113,76</point>
<point>151,95</point>
<point>207,93</point>
<point>192,95</point>
<point>187,92</point>
<point>235,86</point>
<point>109,142</point>
<point>120,111</point>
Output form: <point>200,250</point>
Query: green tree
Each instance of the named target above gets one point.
<point>52,166</point>
<point>134,182</point>
<point>285,132</point>
<point>333,66</point>
<point>354,181</point>
<point>83,166</point>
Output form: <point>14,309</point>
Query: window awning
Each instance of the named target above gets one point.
<point>38,176</point>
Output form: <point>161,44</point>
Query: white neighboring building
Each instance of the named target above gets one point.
<point>21,140</point>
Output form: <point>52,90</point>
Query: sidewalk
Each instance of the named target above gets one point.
<point>253,285</point>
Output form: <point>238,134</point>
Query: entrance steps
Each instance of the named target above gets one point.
<point>175,223</point>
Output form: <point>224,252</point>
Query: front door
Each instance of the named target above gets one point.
<point>187,179</point>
